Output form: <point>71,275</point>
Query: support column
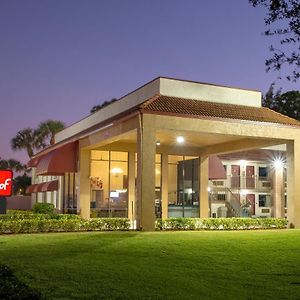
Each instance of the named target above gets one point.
<point>203,189</point>
<point>84,187</point>
<point>146,148</point>
<point>293,186</point>
<point>131,186</point>
<point>277,192</point>
<point>164,185</point>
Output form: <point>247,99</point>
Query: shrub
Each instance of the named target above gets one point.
<point>220,223</point>
<point>43,208</point>
<point>12,288</point>
<point>65,223</point>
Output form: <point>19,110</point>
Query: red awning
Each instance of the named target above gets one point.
<point>48,186</point>
<point>33,162</point>
<point>216,169</point>
<point>58,161</point>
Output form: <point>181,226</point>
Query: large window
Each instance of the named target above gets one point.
<point>264,201</point>
<point>109,183</point>
<point>183,186</point>
<point>263,173</point>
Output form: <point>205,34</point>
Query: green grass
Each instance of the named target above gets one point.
<point>158,265</point>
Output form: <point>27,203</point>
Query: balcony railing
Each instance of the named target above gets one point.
<point>243,182</point>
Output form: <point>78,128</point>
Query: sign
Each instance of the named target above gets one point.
<point>6,177</point>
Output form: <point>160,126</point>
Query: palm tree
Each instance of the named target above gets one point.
<point>25,139</point>
<point>12,164</point>
<point>45,133</point>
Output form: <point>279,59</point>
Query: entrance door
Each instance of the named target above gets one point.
<point>251,201</point>
<point>250,182</point>
<point>235,176</point>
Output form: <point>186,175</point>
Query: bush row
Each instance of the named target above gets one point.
<point>220,223</point>
<point>34,216</point>
<point>62,225</point>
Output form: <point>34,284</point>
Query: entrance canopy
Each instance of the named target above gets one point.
<point>49,186</point>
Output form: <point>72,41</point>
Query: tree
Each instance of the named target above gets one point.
<point>100,106</point>
<point>32,140</point>
<point>287,103</point>
<point>283,20</point>
<point>20,184</point>
<point>25,139</point>
<point>46,131</point>
<point>12,164</point>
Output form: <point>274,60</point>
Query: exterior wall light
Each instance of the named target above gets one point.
<point>180,139</point>
<point>157,143</point>
<point>243,162</point>
<point>278,163</point>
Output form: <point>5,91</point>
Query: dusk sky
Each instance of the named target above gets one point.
<point>59,58</point>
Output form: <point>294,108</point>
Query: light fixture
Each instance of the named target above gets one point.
<point>243,162</point>
<point>116,171</point>
<point>243,192</point>
<point>157,143</point>
<point>180,139</point>
<point>278,163</point>
<point>209,189</point>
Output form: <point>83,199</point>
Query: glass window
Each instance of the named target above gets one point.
<point>264,200</point>
<point>183,185</point>
<point>262,172</point>
<point>109,183</point>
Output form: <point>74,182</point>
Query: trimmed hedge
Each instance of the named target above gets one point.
<point>43,208</point>
<point>63,224</point>
<point>220,223</point>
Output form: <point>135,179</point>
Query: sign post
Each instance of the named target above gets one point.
<point>6,180</point>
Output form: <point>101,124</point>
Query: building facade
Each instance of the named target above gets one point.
<point>160,150</point>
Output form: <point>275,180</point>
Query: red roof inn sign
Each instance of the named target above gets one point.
<point>6,177</point>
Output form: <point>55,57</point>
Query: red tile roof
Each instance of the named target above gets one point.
<point>197,108</point>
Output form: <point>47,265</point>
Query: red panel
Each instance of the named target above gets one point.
<point>216,169</point>
<point>251,199</point>
<point>250,182</point>
<point>235,176</point>
<point>6,177</point>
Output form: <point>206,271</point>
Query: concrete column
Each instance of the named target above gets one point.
<point>84,183</point>
<point>146,148</point>
<point>293,180</point>
<point>203,190</point>
<point>277,192</point>
<point>164,185</point>
<point>131,186</point>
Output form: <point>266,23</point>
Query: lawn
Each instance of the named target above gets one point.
<point>158,265</point>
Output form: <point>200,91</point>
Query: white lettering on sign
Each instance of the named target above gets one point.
<point>4,185</point>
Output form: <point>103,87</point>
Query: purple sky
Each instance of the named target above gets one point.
<point>59,58</point>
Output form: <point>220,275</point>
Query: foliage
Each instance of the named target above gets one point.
<point>283,20</point>
<point>33,140</point>
<point>12,164</point>
<point>34,223</point>
<point>20,184</point>
<point>25,139</point>
<point>46,132</point>
<point>287,103</point>
<point>220,223</point>
<point>43,208</point>
<point>100,106</point>
<point>12,288</point>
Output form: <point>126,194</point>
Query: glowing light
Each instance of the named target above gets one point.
<point>157,172</point>
<point>116,171</point>
<point>180,139</point>
<point>243,193</point>
<point>243,162</point>
<point>209,189</point>
<point>278,163</point>
<point>157,143</point>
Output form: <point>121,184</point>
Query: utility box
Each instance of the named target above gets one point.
<point>2,205</point>
<point>222,212</point>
